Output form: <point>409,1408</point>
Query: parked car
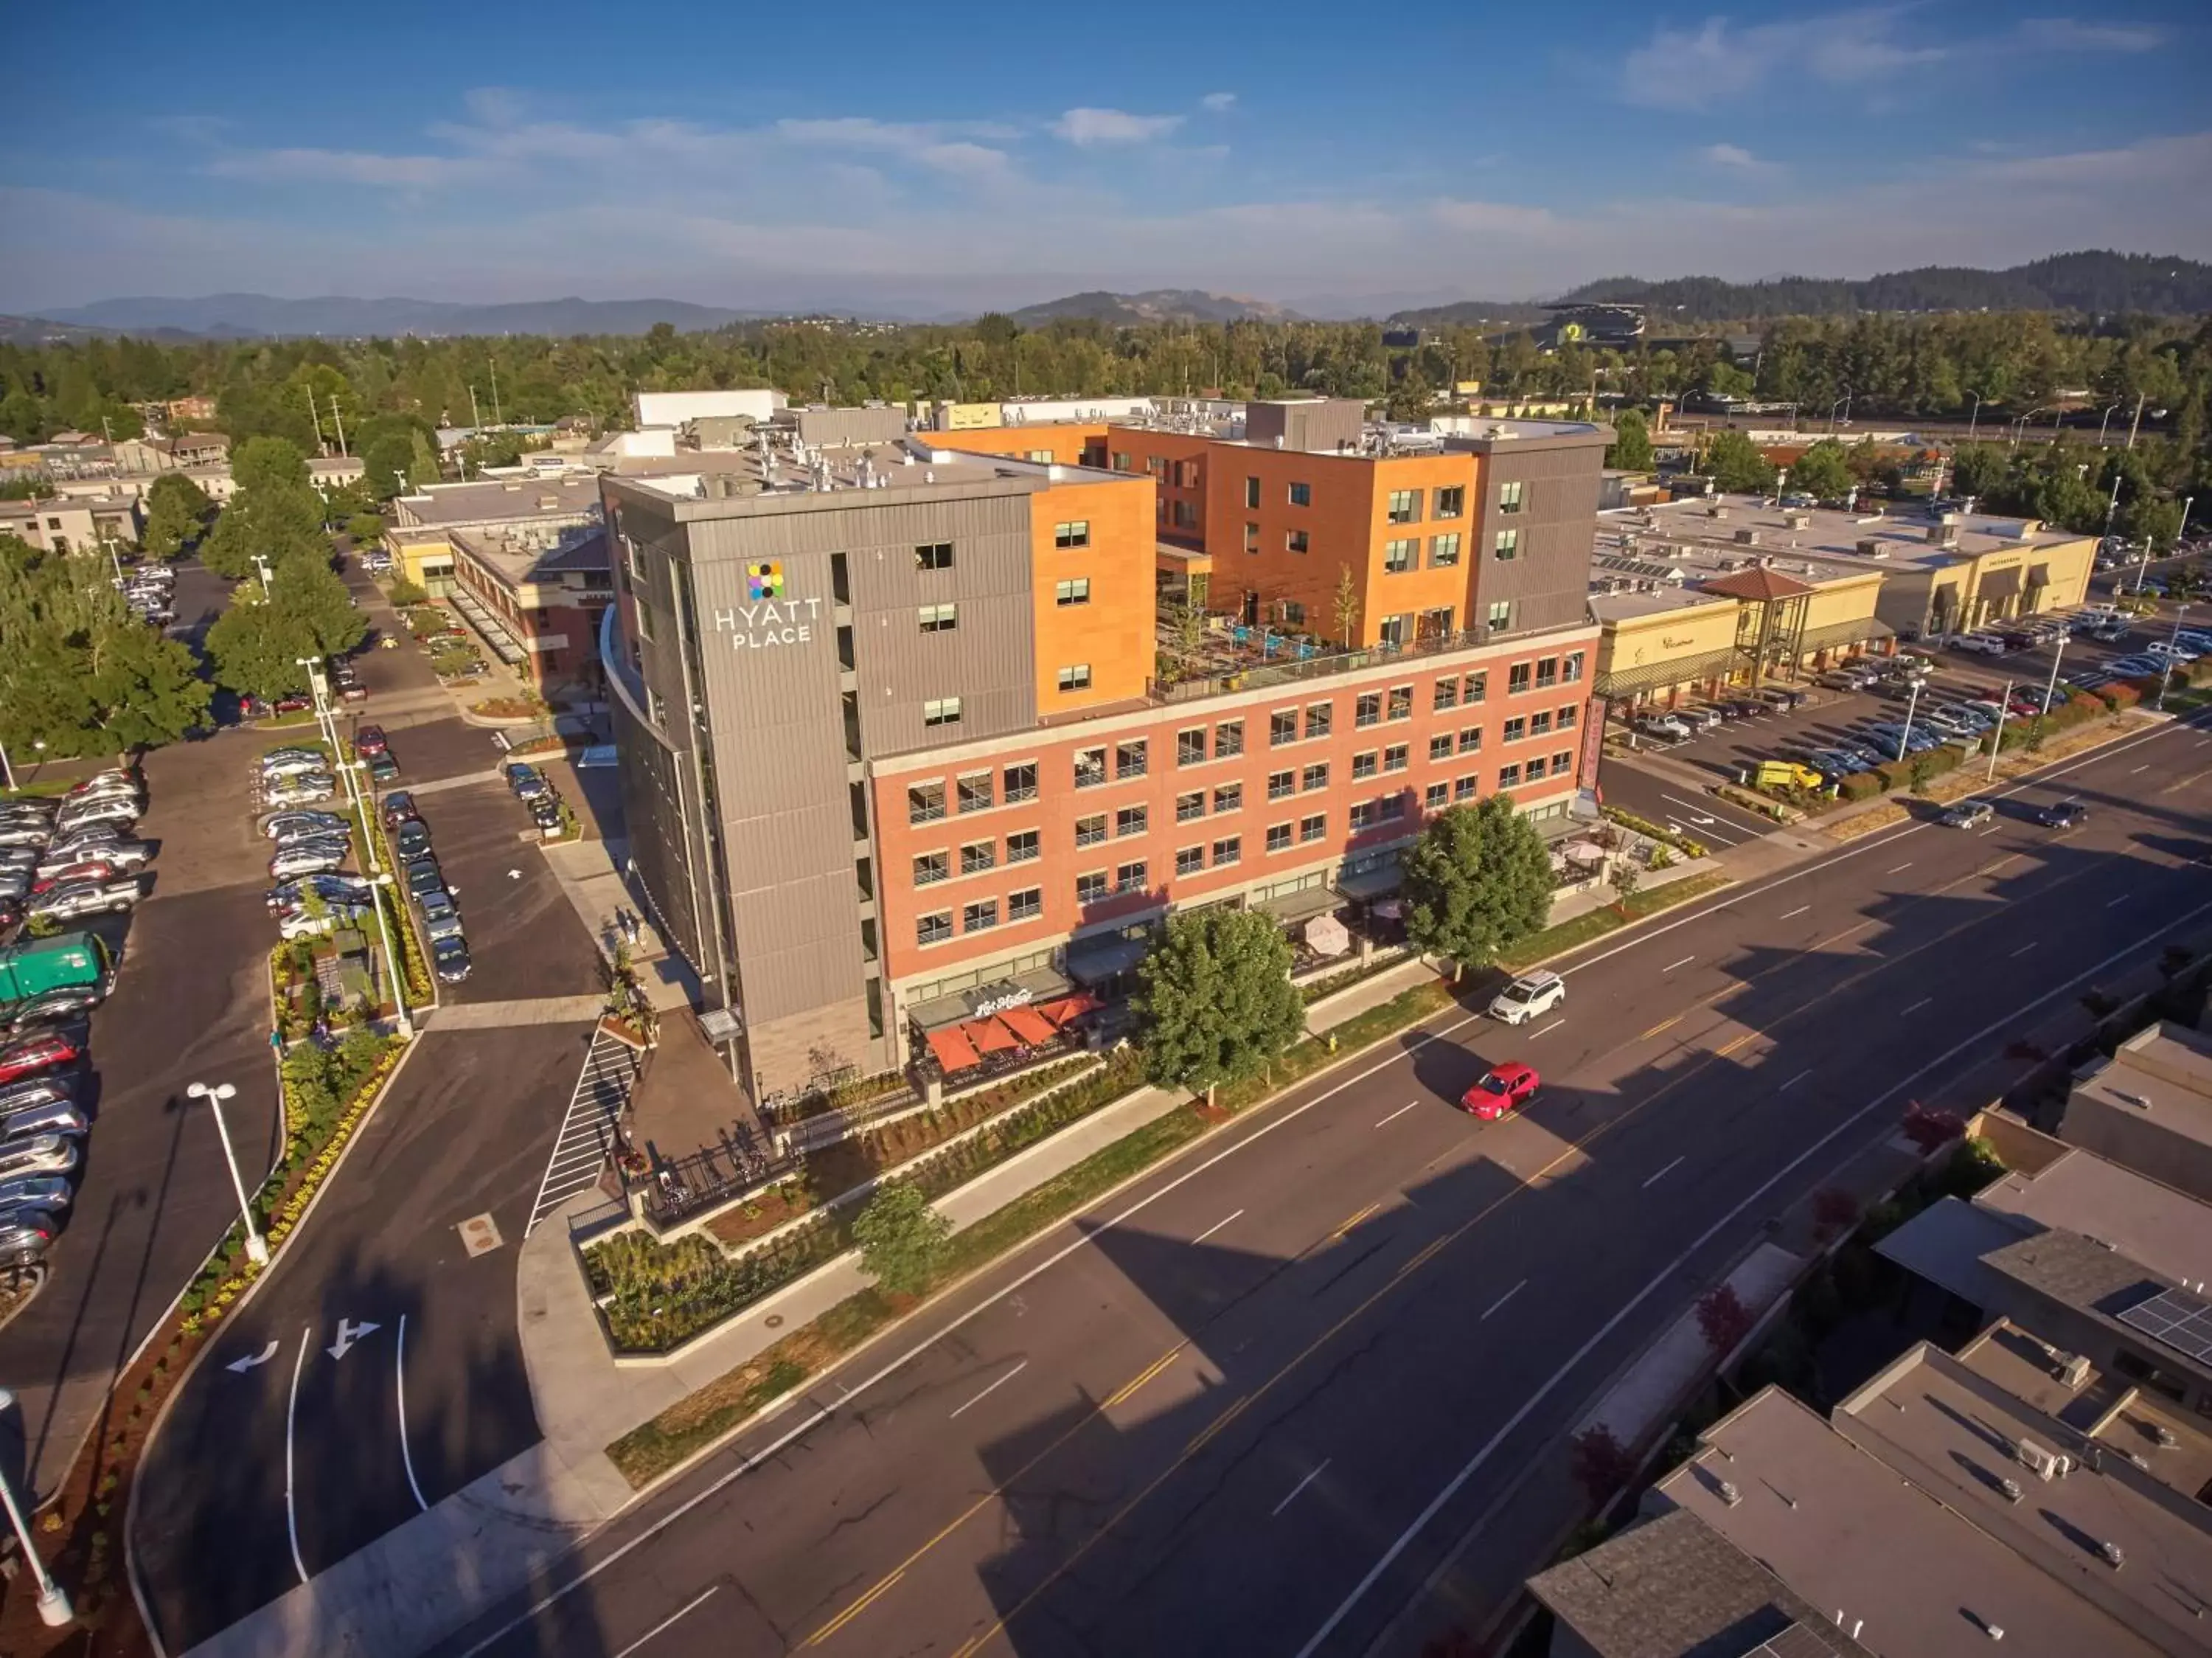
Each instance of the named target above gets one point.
<point>424,876</point>
<point>1981,644</point>
<point>353,692</point>
<point>520,772</point>
<point>1664,726</point>
<point>287,822</point>
<point>332,887</point>
<point>449,959</point>
<point>278,766</point>
<point>27,1056</point>
<point>25,1235</point>
<point>48,1007</point>
<point>546,814</point>
<point>26,832</point>
<point>58,1088</point>
<point>47,1191</point>
<point>116,854</point>
<point>1500,1090</point>
<point>309,790</point>
<point>60,1118</point>
<point>1700,718</point>
<point>2063,815</point>
<point>1970,814</point>
<point>398,807</point>
<point>533,788</point>
<point>369,740</point>
<point>383,769</point>
<point>411,840</point>
<point>42,1154</point>
<point>1531,994</point>
<point>311,860</point>
<point>100,811</point>
<point>437,904</point>
<point>444,927</point>
<point>85,897</point>
<point>2165,651</point>
<point>298,923</point>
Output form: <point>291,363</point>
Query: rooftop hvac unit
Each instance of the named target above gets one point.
<point>2075,1371</point>
<point>2046,1466</point>
<point>1729,1494</point>
<point>1870,546</point>
<point>1716,511</point>
<point>1746,537</point>
<point>2114,1555</point>
<point>1797,521</point>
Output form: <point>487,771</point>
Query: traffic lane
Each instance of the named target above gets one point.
<point>461,1136</point>
<point>431,750</point>
<point>1681,806</point>
<point>525,939</point>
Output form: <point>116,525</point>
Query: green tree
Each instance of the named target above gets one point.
<point>2148,517</point>
<point>1217,1003</point>
<point>176,512</point>
<point>1978,469</point>
<point>385,464</point>
<point>1630,449</point>
<point>1477,881</point>
<point>902,1238</point>
<point>254,648</point>
<point>1824,470</point>
<point>275,514</point>
<point>1623,879</point>
<point>364,529</point>
<point>320,605</point>
<point>1735,466</point>
<point>147,688</point>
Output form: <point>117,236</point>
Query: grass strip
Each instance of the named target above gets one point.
<point>1596,923</point>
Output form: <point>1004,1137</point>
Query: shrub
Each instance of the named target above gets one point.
<point>1723,1318</point>
<point>902,1239</point>
<point>1861,785</point>
<point>1931,1129</point>
<point>1601,1463</point>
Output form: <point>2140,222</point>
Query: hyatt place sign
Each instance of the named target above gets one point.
<point>769,618</point>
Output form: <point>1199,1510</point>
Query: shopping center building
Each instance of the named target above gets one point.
<point>901,733</point>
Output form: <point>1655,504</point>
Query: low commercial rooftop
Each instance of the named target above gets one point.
<point>2163,1229</point>
<point>2165,1073</point>
<point>1743,526</point>
<point>443,504</point>
<point>1625,603</point>
<point>527,552</point>
<point>742,480</point>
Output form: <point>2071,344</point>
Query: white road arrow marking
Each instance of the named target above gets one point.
<point>239,1367</point>
<point>348,1333</point>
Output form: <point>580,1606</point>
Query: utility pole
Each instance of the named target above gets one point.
<point>314,414</point>
<point>339,420</point>
<point>497,419</point>
<point>476,419</point>
<point>1976,420</point>
<point>1997,732</point>
<point>2113,505</point>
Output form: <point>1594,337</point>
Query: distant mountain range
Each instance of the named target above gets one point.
<point>1154,305</point>
<point>254,316</point>
<point>2096,283</point>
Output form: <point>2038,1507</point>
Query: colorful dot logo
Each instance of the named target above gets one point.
<point>764,581</point>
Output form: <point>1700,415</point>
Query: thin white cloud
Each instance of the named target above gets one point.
<point>1716,64</point>
<point>306,166</point>
<point>1086,128</point>
<point>1734,158</point>
<point>1217,101</point>
<point>2071,34</point>
<point>979,163</point>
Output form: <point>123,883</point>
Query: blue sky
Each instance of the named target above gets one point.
<point>924,160</point>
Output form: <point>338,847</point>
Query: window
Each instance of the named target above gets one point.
<point>1452,501</point>
<point>1301,495</point>
<point>1571,669</point>
<point>974,791</point>
<point>1075,534</point>
<point>1565,718</point>
<point>1090,768</point>
<point>1121,462</point>
<point>1130,877</point>
<point>1190,747</point>
<point>1281,786</point>
<point>1183,514</point>
<point>1508,775</point>
<point>939,618</point>
<point>1470,740</point>
<point>1155,464</point>
<point>1075,677</point>
<point>930,868</point>
<point>933,930</point>
<point>1446,696</point>
<point>1499,617</point>
<point>1394,631</point>
<point>1294,613</point>
<point>1282,727</point>
<point>1186,474</point>
<point>1314,777</point>
<point>1041,457</point>
<point>1390,806</point>
<point>1313,828</point>
<point>1132,759</point>
<point>1279,837</point>
<point>924,802</point>
<point>1516,729</point>
<point>1132,821</point>
<point>1251,538</point>
<point>1440,745</point>
<point>1229,850</point>
<point>1228,739</point>
<point>1230,797</point>
<point>1321,718</point>
<point>941,710</point>
<point>1435,796</point>
<point>1402,702</point>
<point>1404,506</point>
<point>977,856</point>
<point>1548,673</point>
<point>1363,765</point>
<point>1190,860</point>
<point>1507,546</point>
<point>1089,888</point>
<point>1252,493</point>
<point>1074,592</point>
<point>1026,904</point>
<point>1509,495</point>
<point>1563,763</point>
<point>1021,782</point>
<point>1394,757</point>
<point>1090,831</point>
<point>656,710</point>
<point>1368,710</point>
<point>1478,687</point>
<point>1190,806</point>
<point>1463,788</point>
<point>1022,846</point>
<point>936,555</point>
<point>1362,815</point>
<point>644,621</point>
<point>1398,557</point>
<point>1539,724</point>
<point>1444,551</point>
<point>980,917</point>
<point>1517,679</point>
<point>1295,541</point>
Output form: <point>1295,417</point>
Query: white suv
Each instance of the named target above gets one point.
<point>1528,995</point>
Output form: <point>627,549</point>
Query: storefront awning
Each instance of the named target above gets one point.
<point>1371,883</point>
<point>1095,960</point>
<point>951,1049</point>
<point>2000,583</point>
<point>1291,908</point>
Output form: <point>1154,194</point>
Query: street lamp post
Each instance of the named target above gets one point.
<point>2173,644</point>
<point>261,564</point>
<point>54,1608</point>
<point>256,1250</point>
<point>2105,422</point>
<point>1977,419</point>
<point>1997,732</point>
<point>2050,690</point>
<point>1905,737</point>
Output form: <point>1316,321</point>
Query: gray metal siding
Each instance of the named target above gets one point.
<point>1548,580</point>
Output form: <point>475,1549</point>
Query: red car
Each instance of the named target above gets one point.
<point>298,702</point>
<point>34,1054</point>
<point>97,869</point>
<point>1500,1091</point>
<point>369,740</point>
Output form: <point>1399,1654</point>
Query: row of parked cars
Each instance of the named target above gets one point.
<point>150,591</point>
<point>65,858</point>
<point>536,791</point>
<point>418,872</point>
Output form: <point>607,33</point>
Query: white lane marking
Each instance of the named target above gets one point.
<point>1793,1081</point>
<point>1665,1172</point>
<point>1504,1298</point>
<point>291,1413</point>
<point>2023,949</point>
<point>1549,1028</point>
<point>2145,766</point>
<point>1400,1111</point>
<point>1684,962</point>
<point>1665,1274</point>
<point>1295,1489</point>
<point>1991,830</point>
<point>1697,813</point>
<point>1216,1226</point>
<point>1900,868</point>
<point>688,1606</point>
<point>2121,899</point>
<point>406,1456</point>
<point>992,1389</point>
<point>1799,911</point>
<point>1918,1005</point>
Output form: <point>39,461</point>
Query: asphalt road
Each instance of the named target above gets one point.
<point>1246,1405</point>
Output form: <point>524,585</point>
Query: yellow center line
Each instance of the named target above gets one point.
<point>1128,1388</point>
<point>1662,1025</point>
<point>1355,1221</point>
<point>1723,1052</point>
<point>855,1610</point>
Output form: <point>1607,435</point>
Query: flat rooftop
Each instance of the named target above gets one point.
<point>2164,1073</point>
<point>528,552</point>
<point>1627,604</point>
<point>1923,1569</point>
<point>505,498</point>
<point>2108,1203</point>
<point>741,482</point>
<point>1820,534</point>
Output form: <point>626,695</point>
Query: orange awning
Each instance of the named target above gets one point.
<point>951,1049</point>
<point>1028,1024</point>
<point>989,1036</point>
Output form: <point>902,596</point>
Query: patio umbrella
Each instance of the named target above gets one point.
<point>1327,935</point>
<point>1028,1024</point>
<point>989,1036</point>
<point>953,1053</point>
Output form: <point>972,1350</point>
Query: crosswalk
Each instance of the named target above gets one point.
<point>603,1086</point>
